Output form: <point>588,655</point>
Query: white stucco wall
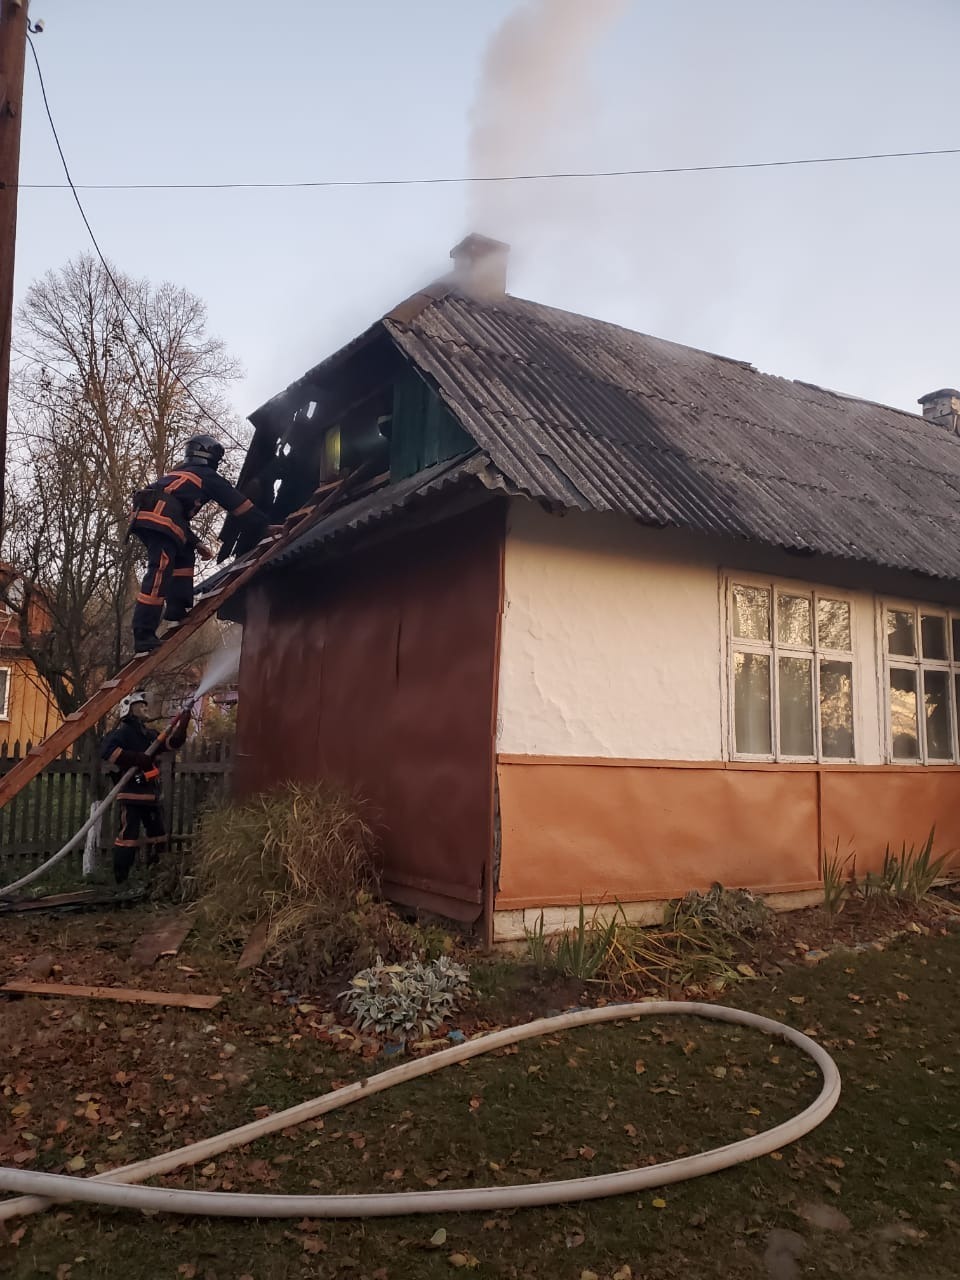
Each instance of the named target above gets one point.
<point>613,640</point>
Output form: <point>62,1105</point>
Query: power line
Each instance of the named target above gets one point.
<point>464,180</point>
<point>106,266</point>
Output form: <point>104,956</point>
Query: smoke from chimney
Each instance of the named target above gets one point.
<point>533,87</point>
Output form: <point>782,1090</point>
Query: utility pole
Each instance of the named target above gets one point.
<point>13,48</point>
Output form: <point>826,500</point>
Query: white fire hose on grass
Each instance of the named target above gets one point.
<point>116,1187</point>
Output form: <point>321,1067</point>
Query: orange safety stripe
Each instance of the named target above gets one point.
<point>245,506</point>
<point>163,522</point>
<point>183,573</point>
<point>182,478</point>
<point>126,844</point>
<point>142,598</point>
<point>115,755</point>
<point>138,797</point>
<point>155,840</point>
<point>158,577</point>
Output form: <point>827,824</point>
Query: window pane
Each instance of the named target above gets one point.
<point>936,709</point>
<point>933,636</point>
<point>955,624</point>
<point>957,704</point>
<point>900,633</point>
<point>751,613</point>
<point>903,713</point>
<point>796,707</point>
<point>833,624</point>
<point>751,700</point>
<point>4,677</point>
<point>836,710</point>
<point>794,620</point>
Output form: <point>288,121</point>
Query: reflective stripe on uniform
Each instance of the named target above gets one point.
<point>162,522</point>
<point>245,506</point>
<point>181,478</point>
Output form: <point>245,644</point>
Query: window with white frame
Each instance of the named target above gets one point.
<point>4,693</point>
<point>922,647</point>
<point>791,672</point>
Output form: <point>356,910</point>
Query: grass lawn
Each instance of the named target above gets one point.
<point>873,1192</point>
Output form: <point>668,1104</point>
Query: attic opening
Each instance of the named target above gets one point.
<point>370,409</point>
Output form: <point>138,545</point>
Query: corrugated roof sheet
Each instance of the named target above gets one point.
<point>369,510</point>
<point>591,415</point>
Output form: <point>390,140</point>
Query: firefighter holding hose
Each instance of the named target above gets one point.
<point>128,746</point>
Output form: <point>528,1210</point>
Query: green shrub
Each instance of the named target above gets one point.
<point>907,876</point>
<point>408,1001</point>
<point>839,879</point>
<point>733,912</point>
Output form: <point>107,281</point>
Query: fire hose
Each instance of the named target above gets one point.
<point>116,1187</point>
<point>95,815</point>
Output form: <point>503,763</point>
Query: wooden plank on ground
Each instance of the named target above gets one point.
<point>254,948</point>
<point>129,995</point>
<point>165,940</point>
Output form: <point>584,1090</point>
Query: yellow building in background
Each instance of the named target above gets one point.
<point>28,711</point>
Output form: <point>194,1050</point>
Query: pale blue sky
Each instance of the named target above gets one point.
<point>844,275</point>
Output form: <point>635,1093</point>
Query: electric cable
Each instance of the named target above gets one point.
<point>469,179</point>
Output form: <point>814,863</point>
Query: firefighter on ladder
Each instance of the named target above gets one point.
<point>161,520</point>
<point>126,747</point>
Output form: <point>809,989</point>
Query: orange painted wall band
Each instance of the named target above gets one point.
<point>650,831</point>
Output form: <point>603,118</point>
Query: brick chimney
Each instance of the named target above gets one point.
<point>943,409</point>
<point>480,266</point>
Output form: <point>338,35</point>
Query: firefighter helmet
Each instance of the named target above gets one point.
<point>204,449</point>
<point>130,701</point>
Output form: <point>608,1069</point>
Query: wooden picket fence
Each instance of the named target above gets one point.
<point>42,817</point>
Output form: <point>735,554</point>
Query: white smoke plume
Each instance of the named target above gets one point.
<point>534,92</point>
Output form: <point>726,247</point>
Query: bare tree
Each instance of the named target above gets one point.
<point>99,408</point>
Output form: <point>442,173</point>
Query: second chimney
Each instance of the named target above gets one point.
<point>942,408</point>
<point>480,266</point>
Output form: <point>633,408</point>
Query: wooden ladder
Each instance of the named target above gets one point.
<point>129,677</point>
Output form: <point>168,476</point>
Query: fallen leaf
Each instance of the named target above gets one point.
<point>589,1275</point>
<point>463,1260</point>
<point>823,1216</point>
<point>476,1104</point>
<point>625,1273</point>
<point>313,1244</point>
<point>439,1237</point>
<point>797,999</point>
<point>658,1203</point>
<point>639,1067</point>
<point>575,1239</point>
<point>75,1164</point>
<point>587,1153</point>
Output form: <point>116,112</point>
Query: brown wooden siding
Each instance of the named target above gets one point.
<point>380,671</point>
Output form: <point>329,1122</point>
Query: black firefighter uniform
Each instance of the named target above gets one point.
<point>161,520</point>
<point>125,748</point>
